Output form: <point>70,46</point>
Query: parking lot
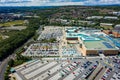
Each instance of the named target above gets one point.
<point>70,50</point>
<point>76,69</point>
<point>51,49</point>
<point>50,32</point>
<point>42,49</point>
<point>116,73</point>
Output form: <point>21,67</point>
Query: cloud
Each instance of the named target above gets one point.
<point>65,3</point>
<point>56,2</point>
<point>101,2</point>
<point>38,2</point>
<point>13,1</point>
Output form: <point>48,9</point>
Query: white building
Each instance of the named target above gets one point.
<point>111,17</point>
<point>95,17</point>
<point>117,27</point>
<point>106,24</point>
<point>116,13</point>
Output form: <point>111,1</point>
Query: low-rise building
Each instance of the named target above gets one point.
<point>106,25</point>
<point>115,32</point>
<point>111,17</point>
<point>116,13</point>
<point>95,17</point>
<point>117,27</point>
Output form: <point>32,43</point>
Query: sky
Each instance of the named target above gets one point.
<point>56,2</point>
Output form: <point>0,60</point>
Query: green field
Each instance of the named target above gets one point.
<point>17,22</point>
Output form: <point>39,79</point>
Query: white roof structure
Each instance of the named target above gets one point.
<point>116,13</point>
<point>107,24</point>
<point>95,17</point>
<point>117,27</point>
<point>110,17</point>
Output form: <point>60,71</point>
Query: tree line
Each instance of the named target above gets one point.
<point>8,46</point>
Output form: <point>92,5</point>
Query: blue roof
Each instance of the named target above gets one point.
<point>107,45</point>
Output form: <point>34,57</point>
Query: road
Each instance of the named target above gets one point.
<point>3,66</point>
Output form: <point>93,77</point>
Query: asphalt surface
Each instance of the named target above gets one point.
<point>3,66</point>
<point>103,63</point>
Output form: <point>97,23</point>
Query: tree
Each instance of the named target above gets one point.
<point>8,46</point>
